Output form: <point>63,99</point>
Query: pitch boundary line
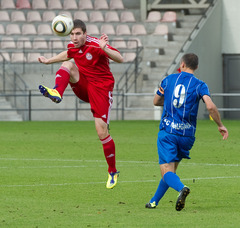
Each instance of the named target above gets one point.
<point>138,181</point>
<point>103,161</point>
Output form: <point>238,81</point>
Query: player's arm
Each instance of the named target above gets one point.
<point>114,55</point>
<point>158,100</point>
<point>61,57</point>
<point>213,111</point>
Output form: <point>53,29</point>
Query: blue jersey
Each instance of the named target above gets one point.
<point>182,93</point>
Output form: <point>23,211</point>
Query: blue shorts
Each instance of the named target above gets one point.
<point>173,148</point>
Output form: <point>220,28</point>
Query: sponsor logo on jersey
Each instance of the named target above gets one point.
<point>104,116</point>
<point>80,51</point>
<point>88,56</point>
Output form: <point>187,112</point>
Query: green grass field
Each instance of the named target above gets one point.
<point>53,174</point>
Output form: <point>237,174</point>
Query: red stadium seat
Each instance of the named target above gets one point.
<point>23,4</point>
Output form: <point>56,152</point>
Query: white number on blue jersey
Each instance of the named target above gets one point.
<point>179,96</point>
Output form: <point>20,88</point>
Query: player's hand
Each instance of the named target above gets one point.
<point>223,131</point>
<point>103,41</point>
<point>43,59</point>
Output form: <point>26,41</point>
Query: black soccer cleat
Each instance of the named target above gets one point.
<point>151,205</point>
<point>181,198</point>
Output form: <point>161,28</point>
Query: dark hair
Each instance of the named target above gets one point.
<point>79,24</point>
<point>191,61</point>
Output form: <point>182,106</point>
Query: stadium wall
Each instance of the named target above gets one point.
<point>207,44</point>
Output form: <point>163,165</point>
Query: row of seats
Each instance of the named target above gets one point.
<point>92,29</point>
<point>93,16</point>
<point>59,44</point>
<point>64,4</point>
<point>32,57</point>
<point>47,16</point>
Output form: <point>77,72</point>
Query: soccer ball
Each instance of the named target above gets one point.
<point>62,25</point>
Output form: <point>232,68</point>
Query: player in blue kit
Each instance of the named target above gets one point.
<point>179,95</point>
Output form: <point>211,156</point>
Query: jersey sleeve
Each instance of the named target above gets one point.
<point>163,86</point>
<point>204,90</point>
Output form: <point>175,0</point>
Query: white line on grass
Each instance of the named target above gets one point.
<point>89,183</point>
<point>103,161</point>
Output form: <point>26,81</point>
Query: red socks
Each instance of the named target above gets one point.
<point>109,152</point>
<point>62,80</point>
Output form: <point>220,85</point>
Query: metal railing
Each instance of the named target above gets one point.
<point>28,105</point>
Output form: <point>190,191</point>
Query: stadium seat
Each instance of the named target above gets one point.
<point>55,43</point>
<point>29,29</point>
<point>48,16</point>
<point>82,15</point>
<point>161,29</point>
<point>96,16</point>
<point>40,43</point>
<point>111,16</point>
<point>85,4</point>
<point>66,12</point>
<point>116,5</point>
<point>138,29</point>
<point>154,16</point>
<point>127,16</point>
<point>44,29</point>
<point>169,16</point>
<point>133,43</point>
<point>92,29</point>
<point>119,43</point>
<point>108,29</point>
<point>129,56</point>
<point>2,29</point>
<point>7,42</point>
<point>7,4</point>
<point>70,5</point>
<point>101,4</point>
<point>4,56</point>
<point>23,4</point>
<point>34,16</point>
<point>4,16</point>
<point>18,57</point>
<point>13,29</point>
<point>39,4</point>
<point>123,29</point>
<point>33,57</point>
<point>24,43</point>
<point>18,16</point>
<point>54,5</point>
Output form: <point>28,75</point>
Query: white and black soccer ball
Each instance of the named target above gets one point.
<point>62,25</point>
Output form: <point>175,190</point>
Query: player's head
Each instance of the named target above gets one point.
<point>78,33</point>
<point>190,61</point>
<point>79,24</point>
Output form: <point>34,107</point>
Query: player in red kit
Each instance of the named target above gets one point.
<point>91,80</point>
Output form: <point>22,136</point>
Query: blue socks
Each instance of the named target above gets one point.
<point>173,181</point>
<point>162,188</point>
<point>169,179</point>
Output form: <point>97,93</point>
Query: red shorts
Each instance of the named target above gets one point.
<point>100,99</point>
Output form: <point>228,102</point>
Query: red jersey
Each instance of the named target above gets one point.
<point>92,62</point>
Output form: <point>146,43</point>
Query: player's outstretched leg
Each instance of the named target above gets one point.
<point>181,198</point>
<point>53,94</point>
<point>112,179</point>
